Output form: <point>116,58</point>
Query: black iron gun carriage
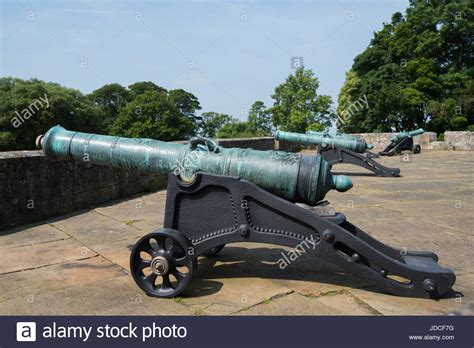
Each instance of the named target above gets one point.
<point>217,196</point>
<point>403,141</point>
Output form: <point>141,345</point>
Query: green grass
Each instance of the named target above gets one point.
<point>330,293</point>
<point>131,222</point>
<point>178,300</point>
<point>197,311</point>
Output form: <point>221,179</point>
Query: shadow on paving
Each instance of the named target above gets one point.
<point>260,262</point>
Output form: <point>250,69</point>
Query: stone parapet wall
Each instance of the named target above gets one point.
<point>463,141</point>
<point>460,141</point>
<point>263,143</point>
<point>34,187</point>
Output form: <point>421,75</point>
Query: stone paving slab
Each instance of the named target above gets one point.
<point>331,304</point>
<point>322,282</point>
<point>44,254</point>
<point>216,309</point>
<point>144,214</point>
<point>448,244</point>
<point>29,283</point>
<point>460,301</point>
<point>235,292</point>
<point>118,251</point>
<point>464,225</point>
<point>452,206</point>
<point>79,263</point>
<point>94,228</point>
<point>117,296</point>
<point>30,235</point>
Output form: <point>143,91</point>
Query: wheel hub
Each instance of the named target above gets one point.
<point>160,265</point>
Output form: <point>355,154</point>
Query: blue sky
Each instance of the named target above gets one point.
<point>228,54</point>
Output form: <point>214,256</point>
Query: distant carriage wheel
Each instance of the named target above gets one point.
<point>417,149</point>
<point>213,251</point>
<point>162,263</point>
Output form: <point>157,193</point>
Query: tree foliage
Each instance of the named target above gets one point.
<point>258,124</point>
<point>297,105</point>
<point>159,114</point>
<point>259,118</point>
<point>110,99</point>
<point>212,122</point>
<point>30,107</point>
<point>416,72</point>
<point>239,129</point>
<point>138,88</point>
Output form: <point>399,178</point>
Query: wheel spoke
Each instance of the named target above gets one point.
<point>148,248</point>
<point>166,282</point>
<point>161,241</point>
<point>150,279</point>
<point>178,274</point>
<point>144,264</point>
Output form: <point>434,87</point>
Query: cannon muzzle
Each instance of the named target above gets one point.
<point>402,135</point>
<point>295,177</point>
<point>324,139</point>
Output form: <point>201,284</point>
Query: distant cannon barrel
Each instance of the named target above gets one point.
<point>295,177</point>
<point>402,135</point>
<point>324,139</point>
<point>325,133</point>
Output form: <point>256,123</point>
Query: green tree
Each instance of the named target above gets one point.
<point>416,72</point>
<point>187,104</point>
<point>239,129</point>
<point>110,98</point>
<point>30,107</point>
<point>158,115</point>
<point>259,118</point>
<point>144,86</point>
<point>212,122</point>
<point>297,105</point>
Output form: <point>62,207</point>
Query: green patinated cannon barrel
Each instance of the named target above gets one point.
<point>337,135</point>
<point>402,135</point>
<point>295,177</point>
<point>324,139</point>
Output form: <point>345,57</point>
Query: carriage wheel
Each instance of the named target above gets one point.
<point>162,263</point>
